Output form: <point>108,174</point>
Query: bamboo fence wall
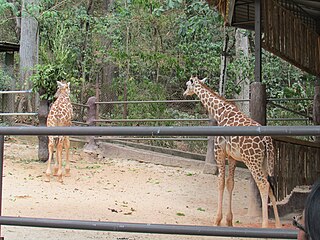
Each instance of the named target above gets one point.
<point>297,163</point>
<point>288,37</point>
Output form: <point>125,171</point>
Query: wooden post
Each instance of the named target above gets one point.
<point>43,151</point>
<point>257,106</point>
<point>92,113</point>
<point>258,102</point>
<point>316,107</point>
<point>257,46</point>
<point>210,166</point>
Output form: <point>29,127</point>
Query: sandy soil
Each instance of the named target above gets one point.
<point>112,189</point>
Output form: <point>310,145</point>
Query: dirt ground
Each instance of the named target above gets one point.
<point>111,189</point>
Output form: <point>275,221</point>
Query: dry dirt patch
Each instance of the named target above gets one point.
<point>112,189</point>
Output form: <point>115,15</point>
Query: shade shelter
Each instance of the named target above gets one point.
<point>9,49</point>
<point>289,29</point>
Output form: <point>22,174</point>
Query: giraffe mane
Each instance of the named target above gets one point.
<point>218,96</point>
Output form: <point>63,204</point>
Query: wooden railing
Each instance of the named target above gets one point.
<point>297,163</point>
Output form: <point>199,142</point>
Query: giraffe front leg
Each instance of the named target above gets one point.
<point>67,148</point>
<point>220,156</point>
<point>230,187</point>
<point>263,186</point>
<point>48,171</point>
<point>56,162</point>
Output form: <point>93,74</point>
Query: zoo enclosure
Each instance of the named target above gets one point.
<point>149,131</point>
<point>292,155</point>
<point>297,161</point>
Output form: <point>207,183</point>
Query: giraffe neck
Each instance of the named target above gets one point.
<point>64,97</point>
<point>217,106</point>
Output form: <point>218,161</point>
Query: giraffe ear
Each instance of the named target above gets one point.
<point>203,80</point>
<point>68,84</point>
<point>59,84</point>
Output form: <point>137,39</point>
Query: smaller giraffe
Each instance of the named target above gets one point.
<point>60,115</point>
<point>257,152</point>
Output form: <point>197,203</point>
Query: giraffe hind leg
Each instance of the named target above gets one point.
<point>50,148</point>
<point>67,148</point>
<point>263,186</point>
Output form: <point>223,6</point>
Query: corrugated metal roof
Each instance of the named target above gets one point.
<point>308,11</point>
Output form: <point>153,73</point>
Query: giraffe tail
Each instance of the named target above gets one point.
<point>272,181</point>
<point>270,155</point>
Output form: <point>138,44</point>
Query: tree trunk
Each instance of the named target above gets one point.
<point>242,51</point>
<point>28,48</point>
<point>125,90</point>
<point>223,67</point>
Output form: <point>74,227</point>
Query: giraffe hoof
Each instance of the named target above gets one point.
<point>55,172</point>
<point>47,178</point>
<point>67,173</point>
<point>229,223</point>
<point>217,223</point>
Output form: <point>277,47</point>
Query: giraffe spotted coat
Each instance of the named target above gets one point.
<point>256,152</point>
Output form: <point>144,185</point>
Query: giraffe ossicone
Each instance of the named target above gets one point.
<point>60,115</point>
<point>256,152</point>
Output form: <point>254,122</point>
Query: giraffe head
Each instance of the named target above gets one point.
<point>63,88</point>
<point>193,81</point>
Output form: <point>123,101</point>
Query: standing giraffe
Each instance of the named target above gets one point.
<point>257,152</point>
<point>60,115</point>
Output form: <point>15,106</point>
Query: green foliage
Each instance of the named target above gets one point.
<point>45,80</point>
<point>286,81</point>
<point>154,46</point>
<point>5,80</point>
<point>56,56</point>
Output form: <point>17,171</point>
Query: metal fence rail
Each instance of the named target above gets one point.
<point>150,228</point>
<point>151,131</point>
<point>165,131</point>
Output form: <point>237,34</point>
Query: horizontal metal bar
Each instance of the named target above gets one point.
<point>18,114</point>
<point>288,119</point>
<point>166,101</point>
<point>155,138</point>
<point>152,120</point>
<point>80,105</point>
<point>187,120</point>
<point>289,99</point>
<point>290,110</point>
<point>148,101</point>
<point>165,131</point>
<point>150,228</point>
<point>80,123</point>
<point>16,91</point>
